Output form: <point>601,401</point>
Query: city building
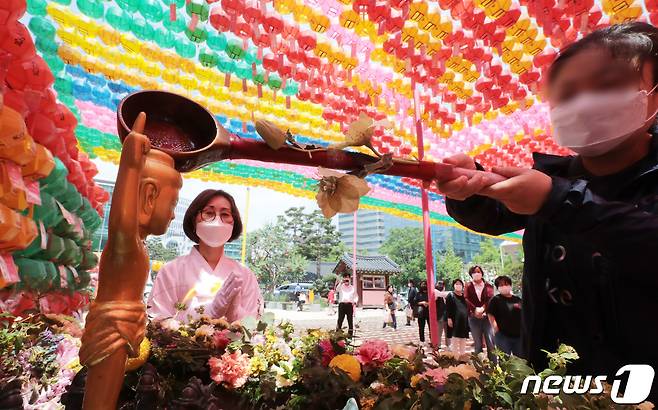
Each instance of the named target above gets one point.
<point>373,227</point>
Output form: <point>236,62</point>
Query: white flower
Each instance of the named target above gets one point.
<point>283,348</point>
<point>258,339</point>
<point>170,324</point>
<point>282,374</point>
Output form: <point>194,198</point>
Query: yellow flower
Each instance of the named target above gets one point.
<point>137,362</point>
<point>184,333</point>
<point>348,364</point>
<point>257,365</point>
<point>415,379</point>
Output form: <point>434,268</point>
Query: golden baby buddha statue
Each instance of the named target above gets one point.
<point>143,203</point>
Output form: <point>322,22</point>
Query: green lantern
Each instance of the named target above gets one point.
<point>151,10</point>
<point>63,86</point>
<point>42,27</point>
<point>208,59</point>
<point>216,41</point>
<point>117,18</point>
<point>185,49</point>
<point>164,38</point>
<point>46,45</point>
<point>291,88</point>
<point>274,82</point>
<point>36,7</point>
<point>198,35</point>
<point>259,78</point>
<point>177,26</point>
<point>141,28</point>
<point>63,2</point>
<point>131,6</point>
<point>243,70</point>
<point>234,49</point>
<point>225,64</point>
<point>54,62</point>
<point>91,8</point>
<point>199,8</point>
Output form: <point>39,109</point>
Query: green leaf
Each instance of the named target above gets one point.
<point>505,397</point>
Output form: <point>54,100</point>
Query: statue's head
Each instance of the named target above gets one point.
<point>158,193</point>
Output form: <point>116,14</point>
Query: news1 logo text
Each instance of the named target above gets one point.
<point>630,385</point>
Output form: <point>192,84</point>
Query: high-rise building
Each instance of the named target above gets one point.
<point>374,227</point>
<point>174,237</point>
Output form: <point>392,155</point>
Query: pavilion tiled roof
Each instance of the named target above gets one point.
<point>368,264</point>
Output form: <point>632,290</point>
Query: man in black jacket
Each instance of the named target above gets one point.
<point>591,221</point>
<point>411,300</point>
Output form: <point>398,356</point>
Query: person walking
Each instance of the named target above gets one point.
<point>457,318</point>
<point>390,306</point>
<point>331,298</point>
<point>423,311</point>
<point>301,300</point>
<point>478,293</point>
<point>347,299</point>
<point>411,304</point>
<point>504,311</point>
<point>441,312</point>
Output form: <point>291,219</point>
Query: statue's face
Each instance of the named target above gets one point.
<point>163,212</point>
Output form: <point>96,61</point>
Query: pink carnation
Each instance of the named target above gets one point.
<point>327,350</point>
<point>373,353</point>
<point>437,376</point>
<point>220,339</point>
<point>231,369</point>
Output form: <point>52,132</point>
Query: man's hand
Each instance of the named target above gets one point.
<point>136,145</point>
<point>449,322</point>
<point>524,193</point>
<point>479,311</point>
<point>462,187</point>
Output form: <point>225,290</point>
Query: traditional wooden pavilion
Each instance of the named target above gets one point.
<point>372,276</point>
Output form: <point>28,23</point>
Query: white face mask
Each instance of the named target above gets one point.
<point>505,290</point>
<point>477,276</point>
<point>215,233</point>
<point>595,123</point>
<point>458,288</point>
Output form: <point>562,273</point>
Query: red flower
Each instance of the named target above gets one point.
<point>373,353</point>
<point>220,339</point>
<point>327,351</point>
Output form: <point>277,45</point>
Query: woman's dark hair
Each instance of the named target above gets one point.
<point>473,268</point>
<point>636,42</point>
<point>347,275</point>
<point>457,280</point>
<point>412,282</point>
<point>200,202</point>
<point>502,281</point>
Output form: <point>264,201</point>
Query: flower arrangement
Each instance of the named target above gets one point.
<point>210,363</point>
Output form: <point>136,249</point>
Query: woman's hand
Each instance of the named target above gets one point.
<point>224,302</point>
<point>449,322</point>
<point>462,187</point>
<point>524,193</point>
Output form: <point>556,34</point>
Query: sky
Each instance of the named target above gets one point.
<point>265,204</point>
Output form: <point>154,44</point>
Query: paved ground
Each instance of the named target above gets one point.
<point>368,325</point>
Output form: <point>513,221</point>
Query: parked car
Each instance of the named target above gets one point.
<point>289,289</point>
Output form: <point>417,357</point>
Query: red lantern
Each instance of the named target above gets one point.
<point>251,14</point>
<point>218,20</point>
<point>17,41</point>
<point>306,40</point>
<point>270,63</point>
<point>272,24</point>
<point>11,10</point>
<point>233,8</point>
<point>30,73</point>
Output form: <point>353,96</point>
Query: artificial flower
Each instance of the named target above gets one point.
<point>230,369</point>
<point>204,332</point>
<point>347,363</point>
<point>373,353</point>
<point>283,374</point>
<point>403,352</point>
<point>257,364</point>
<point>135,363</point>
<point>381,388</point>
<point>415,380</point>
<point>271,134</point>
<point>220,339</point>
<point>359,133</point>
<point>466,371</point>
<point>437,376</point>
<point>170,324</point>
<point>327,351</point>
<point>339,193</point>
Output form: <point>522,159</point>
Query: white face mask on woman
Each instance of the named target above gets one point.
<point>214,233</point>
<point>594,123</point>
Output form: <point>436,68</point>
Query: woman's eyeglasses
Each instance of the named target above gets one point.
<point>209,215</point>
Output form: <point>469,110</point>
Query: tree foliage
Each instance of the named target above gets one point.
<point>273,257</point>
<point>449,266</point>
<point>158,252</point>
<point>406,247</point>
<point>312,235</point>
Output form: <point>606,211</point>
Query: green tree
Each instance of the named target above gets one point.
<point>489,259</point>
<point>314,237</point>
<point>158,252</point>
<point>449,265</point>
<point>514,269</point>
<point>273,258</point>
<point>406,247</point>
